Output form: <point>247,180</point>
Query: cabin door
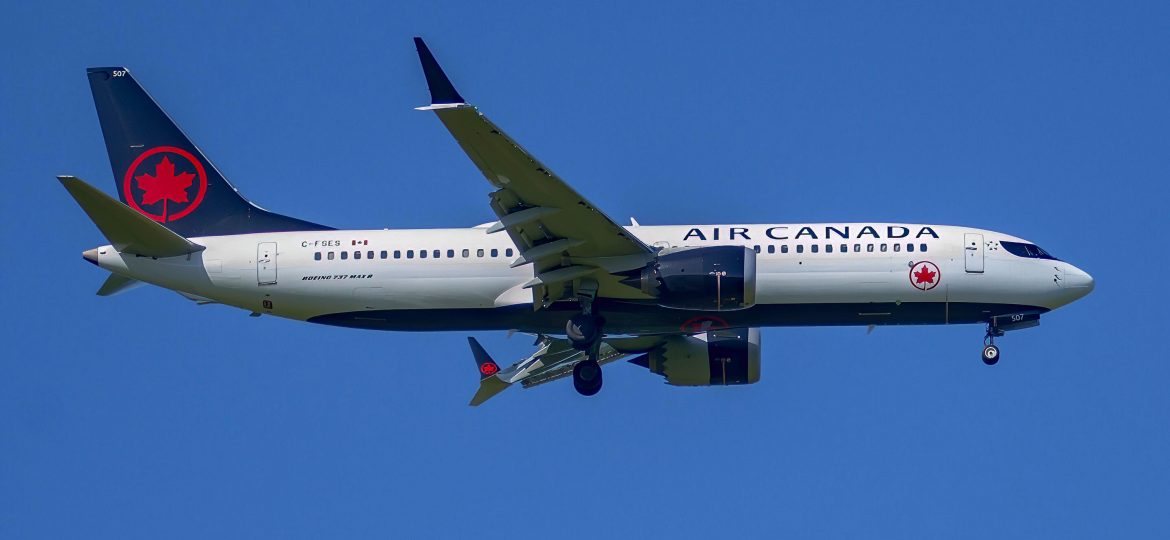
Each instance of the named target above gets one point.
<point>973,252</point>
<point>266,263</point>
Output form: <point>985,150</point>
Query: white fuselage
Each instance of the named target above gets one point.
<point>384,273</point>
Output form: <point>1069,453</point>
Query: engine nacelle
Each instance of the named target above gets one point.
<point>718,278</point>
<point>717,358</point>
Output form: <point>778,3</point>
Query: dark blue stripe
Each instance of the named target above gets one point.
<point>625,318</point>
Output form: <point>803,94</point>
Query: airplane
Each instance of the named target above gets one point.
<point>686,302</point>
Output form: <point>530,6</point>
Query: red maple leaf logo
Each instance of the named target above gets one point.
<point>924,275</point>
<point>488,368</point>
<point>165,184</point>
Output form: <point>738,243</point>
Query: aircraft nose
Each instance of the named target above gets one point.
<point>1077,279</point>
<point>90,255</point>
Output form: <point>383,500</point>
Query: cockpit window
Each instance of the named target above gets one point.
<point>1031,251</point>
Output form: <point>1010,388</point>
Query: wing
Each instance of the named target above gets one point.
<point>554,359</point>
<point>711,358</point>
<point>565,237</point>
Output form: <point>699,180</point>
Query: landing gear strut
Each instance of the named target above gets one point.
<point>990,351</point>
<point>584,331</point>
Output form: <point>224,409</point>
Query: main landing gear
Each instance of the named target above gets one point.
<point>990,351</point>
<point>587,377</point>
<point>584,331</point>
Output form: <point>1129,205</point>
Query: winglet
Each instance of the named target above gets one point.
<point>487,367</point>
<point>442,91</point>
<point>489,383</point>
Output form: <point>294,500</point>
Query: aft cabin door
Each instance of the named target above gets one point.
<point>973,248</point>
<point>266,263</point>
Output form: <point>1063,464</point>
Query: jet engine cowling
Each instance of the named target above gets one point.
<point>717,278</point>
<point>721,358</point>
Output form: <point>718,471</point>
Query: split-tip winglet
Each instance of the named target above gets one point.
<point>443,93</point>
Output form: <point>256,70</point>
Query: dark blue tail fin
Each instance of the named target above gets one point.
<point>159,172</point>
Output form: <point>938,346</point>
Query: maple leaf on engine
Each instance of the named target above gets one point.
<point>165,184</point>
<point>924,275</point>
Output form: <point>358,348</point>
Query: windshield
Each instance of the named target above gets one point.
<point>1031,251</point>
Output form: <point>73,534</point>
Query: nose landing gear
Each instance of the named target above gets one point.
<point>990,351</point>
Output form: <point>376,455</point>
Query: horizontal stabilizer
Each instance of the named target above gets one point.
<point>127,230</point>
<point>116,284</point>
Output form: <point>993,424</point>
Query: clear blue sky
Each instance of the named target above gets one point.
<point>145,416</point>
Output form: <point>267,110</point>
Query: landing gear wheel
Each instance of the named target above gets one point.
<point>990,355</point>
<point>587,377</point>
<point>990,351</point>
<point>583,330</point>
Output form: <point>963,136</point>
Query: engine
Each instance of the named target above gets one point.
<point>719,278</point>
<point>713,359</point>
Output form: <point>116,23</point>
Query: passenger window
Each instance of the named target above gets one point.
<point>357,255</point>
<point>479,252</point>
<point>344,255</point>
<point>317,256</point>
<point>508,252</point>
<point>384,254</point>
<point>757,249</point>
<point>883,248</point>
<point>329,256</point>
<point>800,248</point>
<point>828,248</point>
<point>897,247</point>
<point>784,248</point>
<point>466,253</point>
<point>910,247</point>
<point>410,254</point>
<point>921,247</point>
<point>422,253</point>
<point>450,254</point>
<point>869,248</point>
<point>369,254</point>
<point>437,253</point>
<point>857,248</point>
<point>495,253</point>
<point>771,248</point>
<point>844,248</point>
<point>816,248</point>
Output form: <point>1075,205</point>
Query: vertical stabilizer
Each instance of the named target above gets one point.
<point>160,173</point>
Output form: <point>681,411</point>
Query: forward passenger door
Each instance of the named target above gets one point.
<point>973,252</point>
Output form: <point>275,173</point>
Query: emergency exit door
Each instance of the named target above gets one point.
<point>973,249</point>
<point>266,263</point>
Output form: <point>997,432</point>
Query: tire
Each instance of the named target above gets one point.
<point>582,330</point>
<point>587,377</point>
<point>990,355</point>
